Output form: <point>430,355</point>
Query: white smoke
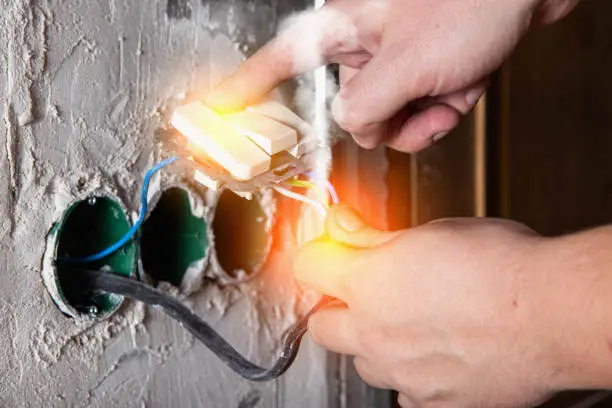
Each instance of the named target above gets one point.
<point>308,36</point>
<point>312,99</point>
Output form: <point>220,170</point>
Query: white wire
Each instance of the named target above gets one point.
<point>320,127</point>
<point>307,200</point>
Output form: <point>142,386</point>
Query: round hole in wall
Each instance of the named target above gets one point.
<point>241,231</point>
<point>173,239</point>
<point>88,227</point>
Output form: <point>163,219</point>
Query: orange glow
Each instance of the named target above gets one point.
<point>368,199</point>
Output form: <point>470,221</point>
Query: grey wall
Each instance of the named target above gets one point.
<point>83,86</point>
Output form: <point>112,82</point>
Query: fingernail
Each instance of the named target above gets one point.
<point>473,96</point>
<point>439,136</point>
<point>365,141</point>
<point>348,220</point>
<point>359,140</point>
<point>337,110</point>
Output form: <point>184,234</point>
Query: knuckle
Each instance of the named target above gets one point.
<point>316,329</point>
<point>513,226</point>
<point>365,372</point>
<point>436,404</point>
<point>405,401</point>
<point>353,126</point>
<point>367,142</point>
<point>360,366</point>
<point>398,377</point>
<point>420,388</point>
<point>370,341</point>
<point>345,113</point>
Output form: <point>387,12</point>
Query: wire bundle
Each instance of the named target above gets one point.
<point>320,206</point>
<point>109,282</point>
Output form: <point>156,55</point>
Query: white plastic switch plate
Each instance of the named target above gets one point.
<point>280,113</point>
<point>272,136</point>
<point>220,140</point>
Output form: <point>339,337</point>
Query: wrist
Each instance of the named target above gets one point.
<point>574,276</point>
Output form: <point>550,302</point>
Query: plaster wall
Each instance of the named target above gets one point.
<point>83,87</point>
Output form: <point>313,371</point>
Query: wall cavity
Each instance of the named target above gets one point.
<point>174,243</point>
<point>242,234</point>
<point>87,227</point>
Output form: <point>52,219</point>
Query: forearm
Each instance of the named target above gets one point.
<point>576,295</point>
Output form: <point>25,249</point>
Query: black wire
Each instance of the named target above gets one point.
<point>111,283</point>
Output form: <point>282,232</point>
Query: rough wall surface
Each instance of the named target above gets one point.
<point>83,86</point>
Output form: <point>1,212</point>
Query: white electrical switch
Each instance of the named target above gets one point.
<point>280,113</point>
<point>220,140</point>
<point>272,136</point>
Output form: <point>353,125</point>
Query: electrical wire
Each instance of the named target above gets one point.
<point>328,185</point>
<point>109,282</point>
<point>310,185</point>
<point>130,233</point>
<point>304,183</point>
<point>299,197</point>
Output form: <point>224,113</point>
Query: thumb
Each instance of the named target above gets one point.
<point>344,225</point>
<point>324,265</point>
<point>377,93</point>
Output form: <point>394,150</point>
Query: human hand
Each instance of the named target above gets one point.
<point>409,69</point>
<point>455,313</point>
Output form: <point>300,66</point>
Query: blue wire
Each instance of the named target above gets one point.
<point>330,188</point>
<point>128,235</point>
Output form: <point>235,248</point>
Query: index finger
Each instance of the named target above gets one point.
<point>256,77</point>
<point>306,42</point>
